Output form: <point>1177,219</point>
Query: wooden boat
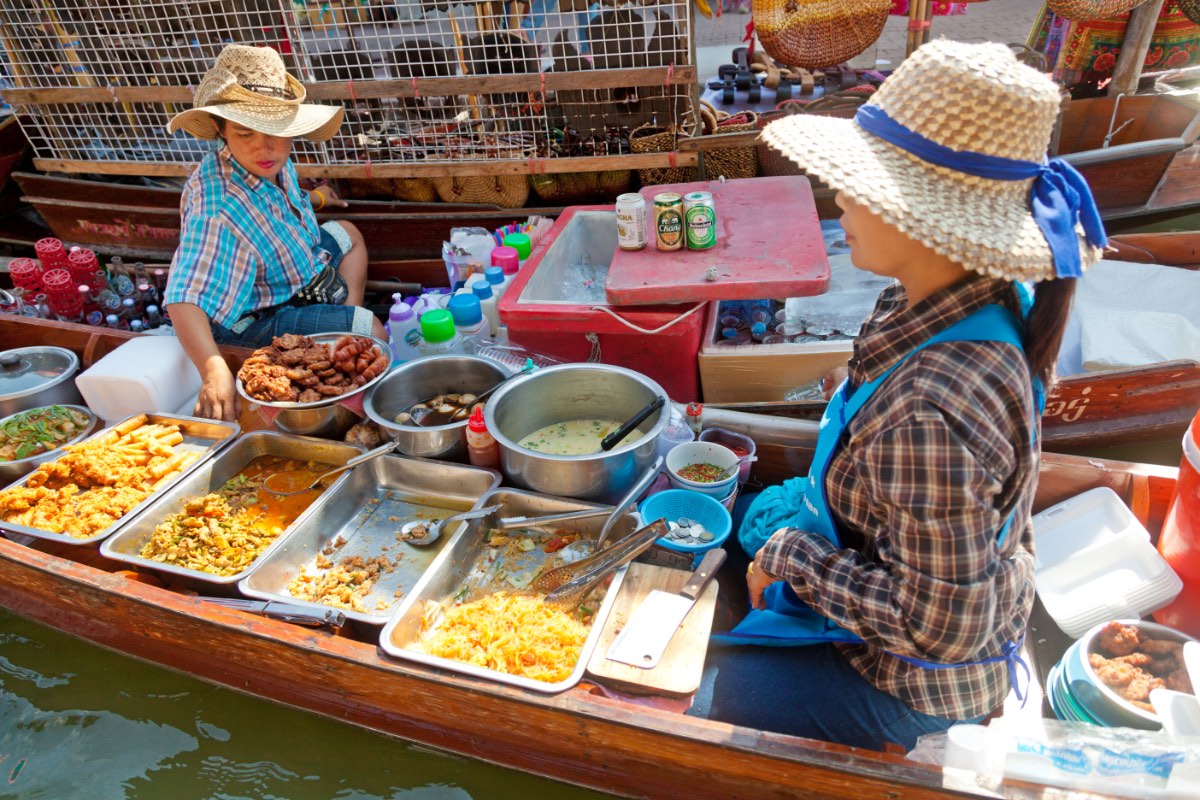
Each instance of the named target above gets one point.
<point>582,736</point>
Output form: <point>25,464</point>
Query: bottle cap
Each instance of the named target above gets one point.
<point>465,309</point>
<point>694,409</point>
<point>520,242</point>
<point>482,289</point>
<point>494,275</point>
<point>507,259</point>
<point>135,325</point>
<point>437,326</point>
<point>400,309</point>
<point>127,302</point>
<point>111,319</point>
<point>143,287</point>
<point>84,289</point>
<point>476,423</point>
<point>152,310</point>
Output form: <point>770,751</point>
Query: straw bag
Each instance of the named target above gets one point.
<point>732,162</point>
<point>649,138</point>
<point>818,33</point>
<point>1091,10</point>
<point>566,188</point>
<point>506,191</point>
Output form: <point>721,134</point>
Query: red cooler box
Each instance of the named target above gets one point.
<point>556,306</point>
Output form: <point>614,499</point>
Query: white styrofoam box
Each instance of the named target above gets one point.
<point>147,373</point>
<point>1095,563</point>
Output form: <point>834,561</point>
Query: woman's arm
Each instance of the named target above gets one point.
<point>217,400</point>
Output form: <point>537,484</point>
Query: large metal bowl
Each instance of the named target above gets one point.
<point>570,392</point>
<point>32,377</point>
<point>420,380</point>
<point>327,418</point>
<point>12,470</point>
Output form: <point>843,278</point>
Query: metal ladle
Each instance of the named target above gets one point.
<point>284,489</point>
<point>419,418</point>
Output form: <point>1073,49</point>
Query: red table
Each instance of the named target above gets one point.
<point>768,245</point>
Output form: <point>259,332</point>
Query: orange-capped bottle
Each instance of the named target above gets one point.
<point>482,450</point>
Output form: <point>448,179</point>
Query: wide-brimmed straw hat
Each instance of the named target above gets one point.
<point>251,86</point>
<point>952,151</point>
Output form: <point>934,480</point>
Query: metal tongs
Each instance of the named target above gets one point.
<point>568,585</point>
<point>329,618</point>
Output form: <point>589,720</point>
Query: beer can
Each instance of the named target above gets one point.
<point>668,221</point>
<point>631,221</point>
<point>699,220</point>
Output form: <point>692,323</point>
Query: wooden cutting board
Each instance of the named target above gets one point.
<point>678,671</point>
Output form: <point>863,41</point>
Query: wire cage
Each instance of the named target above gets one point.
<point>429,87</point>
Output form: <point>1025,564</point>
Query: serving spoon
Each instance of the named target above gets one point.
<point>420,533</point>
<point>285,480</point>
<point>419,415</point>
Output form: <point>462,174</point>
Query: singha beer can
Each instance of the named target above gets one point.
<point>668,221</point>
<point>699,220</point>
<point>631,221</point>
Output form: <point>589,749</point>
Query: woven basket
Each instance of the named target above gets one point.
<point>652,139</point>
<point>413,190</point>
<point>732,162</point>
<point>566,188</point>
<point>818,33</point>
<point>770,160</point>
<point>506,191</point>
<point>1190,9</point>
<point>1091,10</point>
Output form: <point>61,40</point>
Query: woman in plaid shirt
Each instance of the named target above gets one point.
<point>895,580</point>
<point>252,262</point>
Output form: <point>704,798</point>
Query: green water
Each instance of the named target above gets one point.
<point>77,721</point>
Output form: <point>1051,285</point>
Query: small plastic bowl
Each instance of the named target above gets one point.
<point>689,453</point>
<point>675,504</point>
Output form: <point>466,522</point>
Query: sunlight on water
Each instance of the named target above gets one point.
<point>77,721</point>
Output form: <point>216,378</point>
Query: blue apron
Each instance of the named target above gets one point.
<point>800,503</point>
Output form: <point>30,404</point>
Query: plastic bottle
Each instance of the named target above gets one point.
<point>487,302</point>
<point>153,318</point>
<point>468,317</point>
<point>404,331</point>
<point>495,276</point>
<point>135,325</point>
<point>519,242</point>
<point>438,336</point>
<point>482,450</point>
<point>509,262</point>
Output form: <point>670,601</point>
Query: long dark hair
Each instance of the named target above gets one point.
<point>1046,324</point>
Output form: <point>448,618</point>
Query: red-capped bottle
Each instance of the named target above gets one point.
<point>482,450</point>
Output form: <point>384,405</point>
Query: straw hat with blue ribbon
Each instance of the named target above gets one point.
<point>251,86</point>
<point>952,151</point>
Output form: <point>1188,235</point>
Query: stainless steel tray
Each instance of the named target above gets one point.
<point>126,545</point>
<point>457,566</point>
<point>367,513</point>
<point>205,436</point>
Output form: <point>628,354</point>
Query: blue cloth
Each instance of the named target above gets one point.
<point>1060,197</point>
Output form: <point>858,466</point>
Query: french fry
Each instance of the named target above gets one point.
<point>130,425</point>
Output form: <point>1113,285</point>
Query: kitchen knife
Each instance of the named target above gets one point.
<point>645,637</point>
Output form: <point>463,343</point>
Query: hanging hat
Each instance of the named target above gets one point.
<point>250,86</point>
<point>952,151</point>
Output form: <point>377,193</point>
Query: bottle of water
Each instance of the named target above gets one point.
<point>153,318</point>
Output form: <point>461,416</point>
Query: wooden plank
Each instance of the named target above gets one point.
<point>678,672</point>
<point>1180,184</point>
<point>1134,46</point>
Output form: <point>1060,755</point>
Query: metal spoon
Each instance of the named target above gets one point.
<point>433,529</point>
<point>283,489</point>
<point>418,418</point>
<point>585,547</point>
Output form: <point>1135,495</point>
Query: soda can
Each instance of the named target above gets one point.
<point>668,221</point>
<point>699,220</point>
<point>631,221</point>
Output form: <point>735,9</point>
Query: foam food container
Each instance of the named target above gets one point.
<point>146,374</point>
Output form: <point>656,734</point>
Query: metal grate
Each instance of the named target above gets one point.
<point>421,80</point>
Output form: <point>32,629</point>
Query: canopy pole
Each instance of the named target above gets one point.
<point>1139,31</point>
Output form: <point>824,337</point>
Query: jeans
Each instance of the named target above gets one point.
<point>302,320</point>
<point>808,691</point>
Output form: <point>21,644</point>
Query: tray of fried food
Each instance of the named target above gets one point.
<point>297,371</point>
<point>97,486</point>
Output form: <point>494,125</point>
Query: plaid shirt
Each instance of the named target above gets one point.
<point>246,243</point>
<point>921,484</point>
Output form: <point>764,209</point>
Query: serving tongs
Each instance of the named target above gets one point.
<point>568,585</point>
<point>329,618</point>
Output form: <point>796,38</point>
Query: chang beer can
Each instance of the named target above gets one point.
<point>699,220</point>
<point>631,221</point>
<point>668,221</point>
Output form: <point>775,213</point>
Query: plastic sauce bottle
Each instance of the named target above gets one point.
<point>482,450</point>
<point>519,242</point>
<point>468,316</point>
<point>404,331</point>
<point>438,337</point>
<point>495,276</point>
<point>487,302</point>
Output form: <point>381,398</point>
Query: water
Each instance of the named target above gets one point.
<point>77,721</point>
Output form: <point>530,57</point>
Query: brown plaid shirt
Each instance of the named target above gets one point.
<point>921,484</point>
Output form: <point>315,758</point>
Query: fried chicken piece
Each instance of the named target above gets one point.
<point>1137,659</point>
<point>266,382</point>
<point>1180,682</point>
<point>291,358</point>
<point>1140,687</point>
<point>1112,672</point>
<point>309,395</point>
<point>1161,647</point>
<point>289,341</point>
<point>1119,640</point>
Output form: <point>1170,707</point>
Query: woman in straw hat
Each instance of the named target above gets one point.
<point>252,262</point>
<point>904,560</point>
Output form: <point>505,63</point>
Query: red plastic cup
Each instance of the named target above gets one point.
<point>26,273</point>
<point>82,264</point>
<point>51,253</point>
<point>58,281</point>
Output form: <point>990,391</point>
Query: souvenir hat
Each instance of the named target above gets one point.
<point>952,151</point>
<point>250,86</point>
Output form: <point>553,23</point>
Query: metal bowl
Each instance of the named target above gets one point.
<point>32,377</point>
<point>326,418</point>
<point>420,380</point>
<point>570,392</point>
<point>14,470</point>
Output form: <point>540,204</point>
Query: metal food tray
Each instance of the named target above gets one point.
<point>199,435</point>
<point>457,567</point>
<point>367,512</point>
<point>127,545</point>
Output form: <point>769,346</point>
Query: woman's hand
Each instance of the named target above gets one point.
<point>331,198</point>
<point>757,580</point>
<point>218,398</point>
<point>832,380</point>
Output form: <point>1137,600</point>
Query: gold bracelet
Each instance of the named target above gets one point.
<point>321,195</point>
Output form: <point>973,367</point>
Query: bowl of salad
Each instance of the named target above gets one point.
<point>705,467</point>
<point>34,436</point>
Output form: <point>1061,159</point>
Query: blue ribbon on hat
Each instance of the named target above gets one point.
<point>1060,195</point>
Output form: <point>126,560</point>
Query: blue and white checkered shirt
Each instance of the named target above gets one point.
<point>245,244</point>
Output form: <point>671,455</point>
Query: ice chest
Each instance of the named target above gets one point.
<point>661,342</point>
<point>147,373</point>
